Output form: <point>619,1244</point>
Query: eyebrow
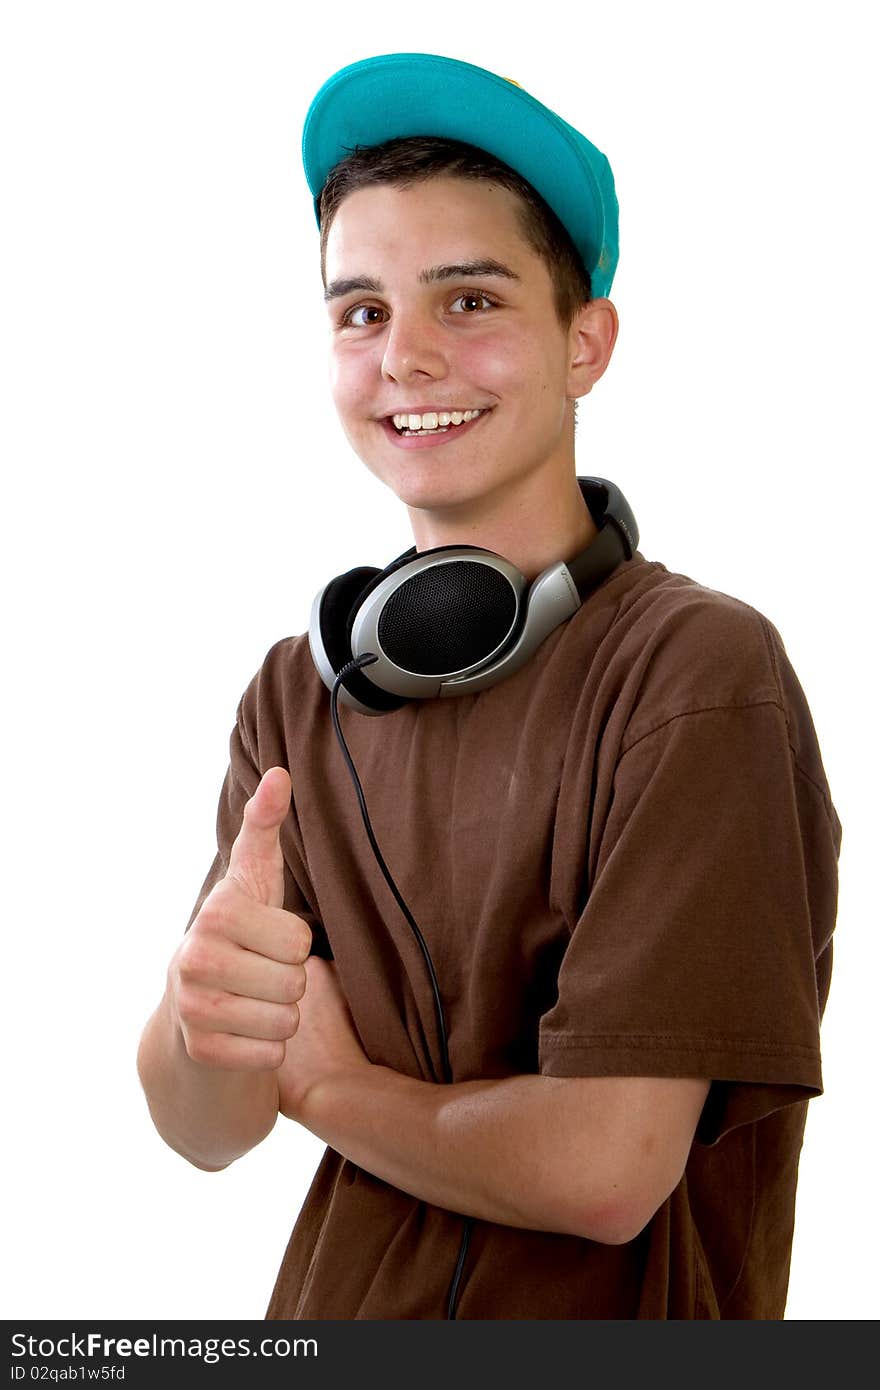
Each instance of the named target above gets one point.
<point>465,270</point>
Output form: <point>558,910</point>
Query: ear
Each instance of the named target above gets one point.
<point>592,336</point>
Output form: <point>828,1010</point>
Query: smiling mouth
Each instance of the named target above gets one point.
<point>413,426</point>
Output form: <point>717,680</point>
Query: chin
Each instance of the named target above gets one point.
<point>446,480</point>
<point>427,493</point>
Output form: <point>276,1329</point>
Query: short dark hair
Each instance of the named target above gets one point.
<point>415,158</point>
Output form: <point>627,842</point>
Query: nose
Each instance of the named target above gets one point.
<point>413,348</point>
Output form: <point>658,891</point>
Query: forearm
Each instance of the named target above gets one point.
<point>502,1151</point>
<point>208,1115</point>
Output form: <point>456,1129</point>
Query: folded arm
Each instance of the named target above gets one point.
<point>587,1156</point>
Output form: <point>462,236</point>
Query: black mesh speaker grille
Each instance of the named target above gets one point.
<point>447,617</point>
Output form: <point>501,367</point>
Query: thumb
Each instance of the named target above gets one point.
<point>255,860</point>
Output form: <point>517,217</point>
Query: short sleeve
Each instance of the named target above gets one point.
<point>704,947</point>
<point>239,784</point>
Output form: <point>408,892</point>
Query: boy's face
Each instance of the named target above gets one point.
<point>438,303</point>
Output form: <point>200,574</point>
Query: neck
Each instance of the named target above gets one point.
<point>535,523</point>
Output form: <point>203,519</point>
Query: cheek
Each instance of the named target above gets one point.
<point>347,376</point>
<point>489,364</point>
<point>510,366</point>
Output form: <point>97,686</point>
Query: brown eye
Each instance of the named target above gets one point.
<point>472,302</point>
<point>363,316</point>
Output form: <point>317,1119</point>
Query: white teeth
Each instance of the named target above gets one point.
<point>432,420</point>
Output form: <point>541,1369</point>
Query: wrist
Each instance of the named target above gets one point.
<point>322,1105</point>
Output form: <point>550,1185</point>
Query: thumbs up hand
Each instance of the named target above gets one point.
<point>236,979</point>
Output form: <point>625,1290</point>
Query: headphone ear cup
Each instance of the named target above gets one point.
<point>337,611</point>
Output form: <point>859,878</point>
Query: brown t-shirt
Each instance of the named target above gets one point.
<point>623,860</point>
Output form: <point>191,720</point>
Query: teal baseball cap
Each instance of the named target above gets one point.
<point>401,94</point>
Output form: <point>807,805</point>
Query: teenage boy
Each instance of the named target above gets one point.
<point>622,855</point>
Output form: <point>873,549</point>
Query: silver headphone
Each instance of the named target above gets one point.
<point>456,619</point>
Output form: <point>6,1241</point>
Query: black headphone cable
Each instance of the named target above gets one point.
<point>366,660</point>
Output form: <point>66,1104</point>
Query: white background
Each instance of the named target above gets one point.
<point>176,488</point>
